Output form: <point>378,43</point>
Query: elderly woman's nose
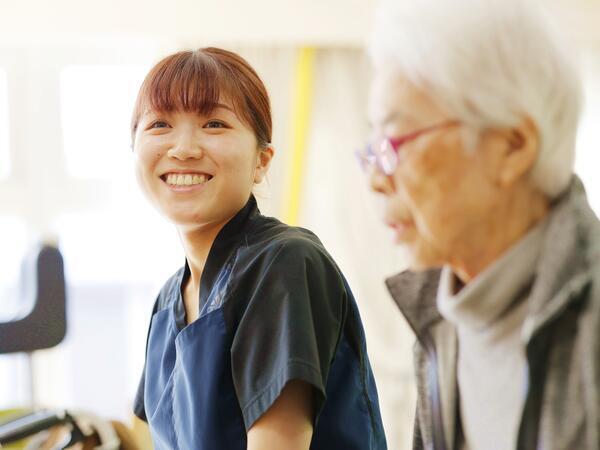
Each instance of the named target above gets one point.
<point>380,182</point>
<point>186,146</point>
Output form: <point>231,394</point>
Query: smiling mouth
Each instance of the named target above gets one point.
<point>185,179</point>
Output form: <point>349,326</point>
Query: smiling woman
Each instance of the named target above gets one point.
<point>256,343</point>
<point>193,103</point>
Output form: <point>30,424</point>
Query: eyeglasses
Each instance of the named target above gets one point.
<point>383,152</point>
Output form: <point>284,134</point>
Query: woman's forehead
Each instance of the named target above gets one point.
<point>394,98</point>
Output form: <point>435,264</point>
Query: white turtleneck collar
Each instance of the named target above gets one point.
<point>491,293</point>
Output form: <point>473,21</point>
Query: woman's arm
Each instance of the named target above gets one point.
<point>287,425</point>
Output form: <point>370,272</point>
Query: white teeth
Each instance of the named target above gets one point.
<point>174,179</point>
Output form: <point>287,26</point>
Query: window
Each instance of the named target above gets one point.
<point>13,242</point>
<point>588,143</point>
<point>96,107</point>
<point>127,243</point>
<point>4,138</point>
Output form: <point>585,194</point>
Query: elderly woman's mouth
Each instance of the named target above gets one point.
<point>401,229</point>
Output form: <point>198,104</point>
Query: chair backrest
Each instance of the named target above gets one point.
<point>45,325</point>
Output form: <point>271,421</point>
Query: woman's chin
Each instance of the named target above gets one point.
<point>420,259</point>
<point>419,266</point>
<point>185,218</point>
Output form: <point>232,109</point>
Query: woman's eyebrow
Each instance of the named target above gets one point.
<point>147,113</point>
<point>150,112</point>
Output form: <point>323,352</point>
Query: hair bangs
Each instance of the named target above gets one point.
<point>186,81</point>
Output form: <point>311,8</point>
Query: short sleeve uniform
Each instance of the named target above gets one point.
<point>274,307</point>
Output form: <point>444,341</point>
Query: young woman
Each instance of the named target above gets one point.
<point>256,343</point>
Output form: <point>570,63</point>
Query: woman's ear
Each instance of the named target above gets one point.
<point>263,161</point>
<point>520,152</point>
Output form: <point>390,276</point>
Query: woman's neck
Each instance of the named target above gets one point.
<point>197,243</point>
<point>514,215</point>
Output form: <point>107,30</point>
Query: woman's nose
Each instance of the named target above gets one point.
<point>380,182</point>
<point>186,146</point>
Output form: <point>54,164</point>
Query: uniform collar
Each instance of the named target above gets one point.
<point>237,223</point>
<point>561,272</point>
<point>226,242</point>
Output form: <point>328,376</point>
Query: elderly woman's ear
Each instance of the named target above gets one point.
<point>518,153</point>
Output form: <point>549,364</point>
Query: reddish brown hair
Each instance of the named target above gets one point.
<point>194,81</point>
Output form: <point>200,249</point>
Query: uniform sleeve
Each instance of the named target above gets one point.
<point>290,328</point>
<point>138,402</point>
<point>139,408</point>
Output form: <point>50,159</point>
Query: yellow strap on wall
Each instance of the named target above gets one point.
<point>301,110</point>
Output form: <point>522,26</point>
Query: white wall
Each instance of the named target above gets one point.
<point>281,22</point>
<point>332,22</point>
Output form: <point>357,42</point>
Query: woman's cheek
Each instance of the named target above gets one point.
<point>142,180</point>
<point>414,194</point>
<point>145,165</point>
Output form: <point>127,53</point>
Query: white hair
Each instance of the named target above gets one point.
<point>491,63</point>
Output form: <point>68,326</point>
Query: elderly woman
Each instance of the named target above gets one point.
<point>475,108</point>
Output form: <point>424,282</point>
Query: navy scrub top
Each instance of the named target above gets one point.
<point>274,308</point>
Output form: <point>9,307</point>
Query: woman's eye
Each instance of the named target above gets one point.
<point>214,124</point>
<point>159,124</point>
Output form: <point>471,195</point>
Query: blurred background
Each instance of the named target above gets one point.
<point>69,74</point>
